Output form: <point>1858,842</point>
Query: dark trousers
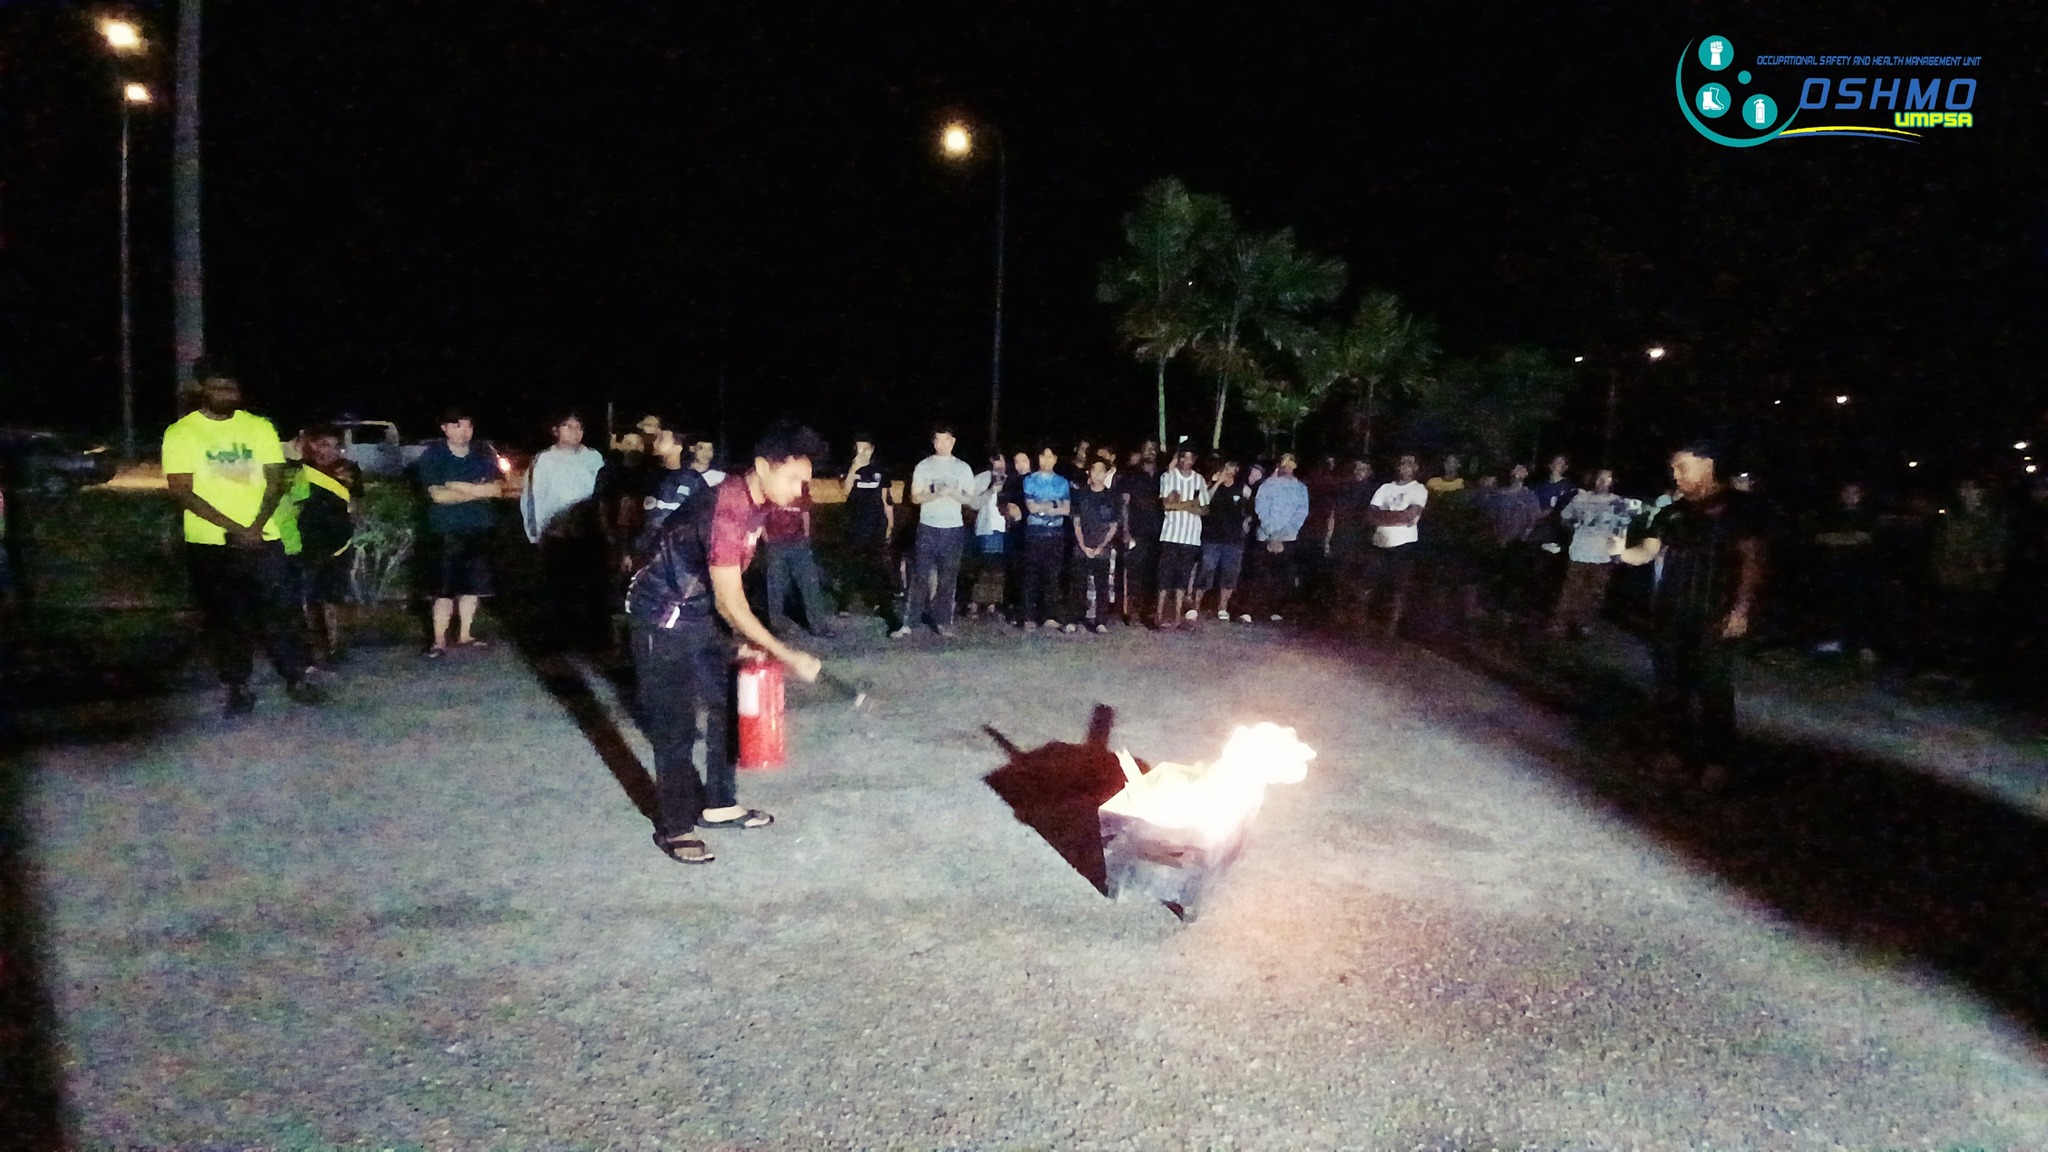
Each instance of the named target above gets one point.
<point>1141,575</point>
<point>578,591</point>
<point>937,559</point>
<point>1277,576</point>
<point>1043,553</point>
<point>244,597</point>
<point>791,561</point>
<point>1083,571</point>
<point>872,576</point>
<point>681,670</point>
<point>1846,604</point>
<point>1695,672</point>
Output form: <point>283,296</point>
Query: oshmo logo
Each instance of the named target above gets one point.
<point>1722,102</point>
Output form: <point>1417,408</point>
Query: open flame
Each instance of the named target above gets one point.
<point>1216,798</point>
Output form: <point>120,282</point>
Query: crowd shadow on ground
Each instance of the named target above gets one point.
<point>1057,787</point>
<point>31,1080</point>
<point>1881,855</point>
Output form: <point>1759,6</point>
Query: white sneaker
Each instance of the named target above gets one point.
<point>1223,616</point>
<point>900,633</point>
<point>1245,619</point>
<point>1275,617</point>
<point>1191,614</point>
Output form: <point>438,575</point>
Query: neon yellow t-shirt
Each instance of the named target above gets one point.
<point>225,459</point>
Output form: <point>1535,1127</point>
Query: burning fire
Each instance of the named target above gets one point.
<point>1213,799</point>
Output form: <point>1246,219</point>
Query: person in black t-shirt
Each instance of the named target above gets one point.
<point>870,525</point>
<point>1144,516</point>
<point>1713,551</point>
<point>1098,520</point>
<point>327,527</point>
<point>1230,507</point>
<point>668,490</point>
<point>1010,502</point>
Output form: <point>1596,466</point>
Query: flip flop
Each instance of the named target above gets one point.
<point>751,818</point>
<point>684,849</point>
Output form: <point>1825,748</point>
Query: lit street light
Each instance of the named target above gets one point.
<point>1656,352</point>
<point>956,140</point>
<point>121,35</point>
<point>2020,445</point>
<point>1842,399</point>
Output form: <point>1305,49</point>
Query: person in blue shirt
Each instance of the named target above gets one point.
<point>1282,507</point>
<point>1048,500</point>
<point>460,478</point>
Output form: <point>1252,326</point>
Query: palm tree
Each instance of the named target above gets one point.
<point>1383,351</point>
<point>1154,278</point>
<point>1500,405</point>
<point>1277,401</point>
<point>1258,286</point>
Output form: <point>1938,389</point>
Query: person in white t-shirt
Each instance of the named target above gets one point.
<point>1395,514</point>
<point>1184,496</point>
<point>558,506</point>
<point>942,487</point>
<point>1599,520</point>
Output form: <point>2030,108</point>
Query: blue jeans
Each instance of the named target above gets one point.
<point>937,560</point>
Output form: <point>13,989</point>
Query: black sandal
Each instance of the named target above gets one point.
<point>683,848</point>
<point>751,818</point>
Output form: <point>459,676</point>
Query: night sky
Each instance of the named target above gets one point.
<point>523,204</point>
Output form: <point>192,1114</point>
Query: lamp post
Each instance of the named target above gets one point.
<point>957,142</point>
<point>132,95</point>
<point>124,38</point>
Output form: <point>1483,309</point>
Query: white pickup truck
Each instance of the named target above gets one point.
<point>378,449</point>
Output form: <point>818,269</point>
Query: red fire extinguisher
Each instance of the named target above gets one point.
<point>760,710</point>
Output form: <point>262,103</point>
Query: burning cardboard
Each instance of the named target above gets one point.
<point>1171,832</point>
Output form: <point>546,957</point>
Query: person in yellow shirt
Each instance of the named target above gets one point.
<point>226,469</point>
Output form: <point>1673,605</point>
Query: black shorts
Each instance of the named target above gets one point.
<point>462,565</point>
<point>327,577</point>
<point>1177,565</point>
<point>1393,567</point>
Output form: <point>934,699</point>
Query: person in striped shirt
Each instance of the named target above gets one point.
<point>1711,542</point>
<point>1185,497</point>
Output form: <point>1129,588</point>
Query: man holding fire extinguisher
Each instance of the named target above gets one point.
<point>686,605</point>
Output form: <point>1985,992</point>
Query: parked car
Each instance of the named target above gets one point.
<point>36,460</point>
<point>374,445</point>
<point>377,448</point>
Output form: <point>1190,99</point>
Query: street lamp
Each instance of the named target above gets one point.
<point>124,38</point>
<point>121,35</point>
<point>956,141</point>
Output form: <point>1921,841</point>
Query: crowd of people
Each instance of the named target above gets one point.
<point>1075,541</point>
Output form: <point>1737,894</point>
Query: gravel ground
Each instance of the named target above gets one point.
<point>428,916</point>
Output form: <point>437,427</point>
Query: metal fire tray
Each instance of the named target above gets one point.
<point>1171,865</point>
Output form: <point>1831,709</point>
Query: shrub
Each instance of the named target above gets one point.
<point>386,534</point>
